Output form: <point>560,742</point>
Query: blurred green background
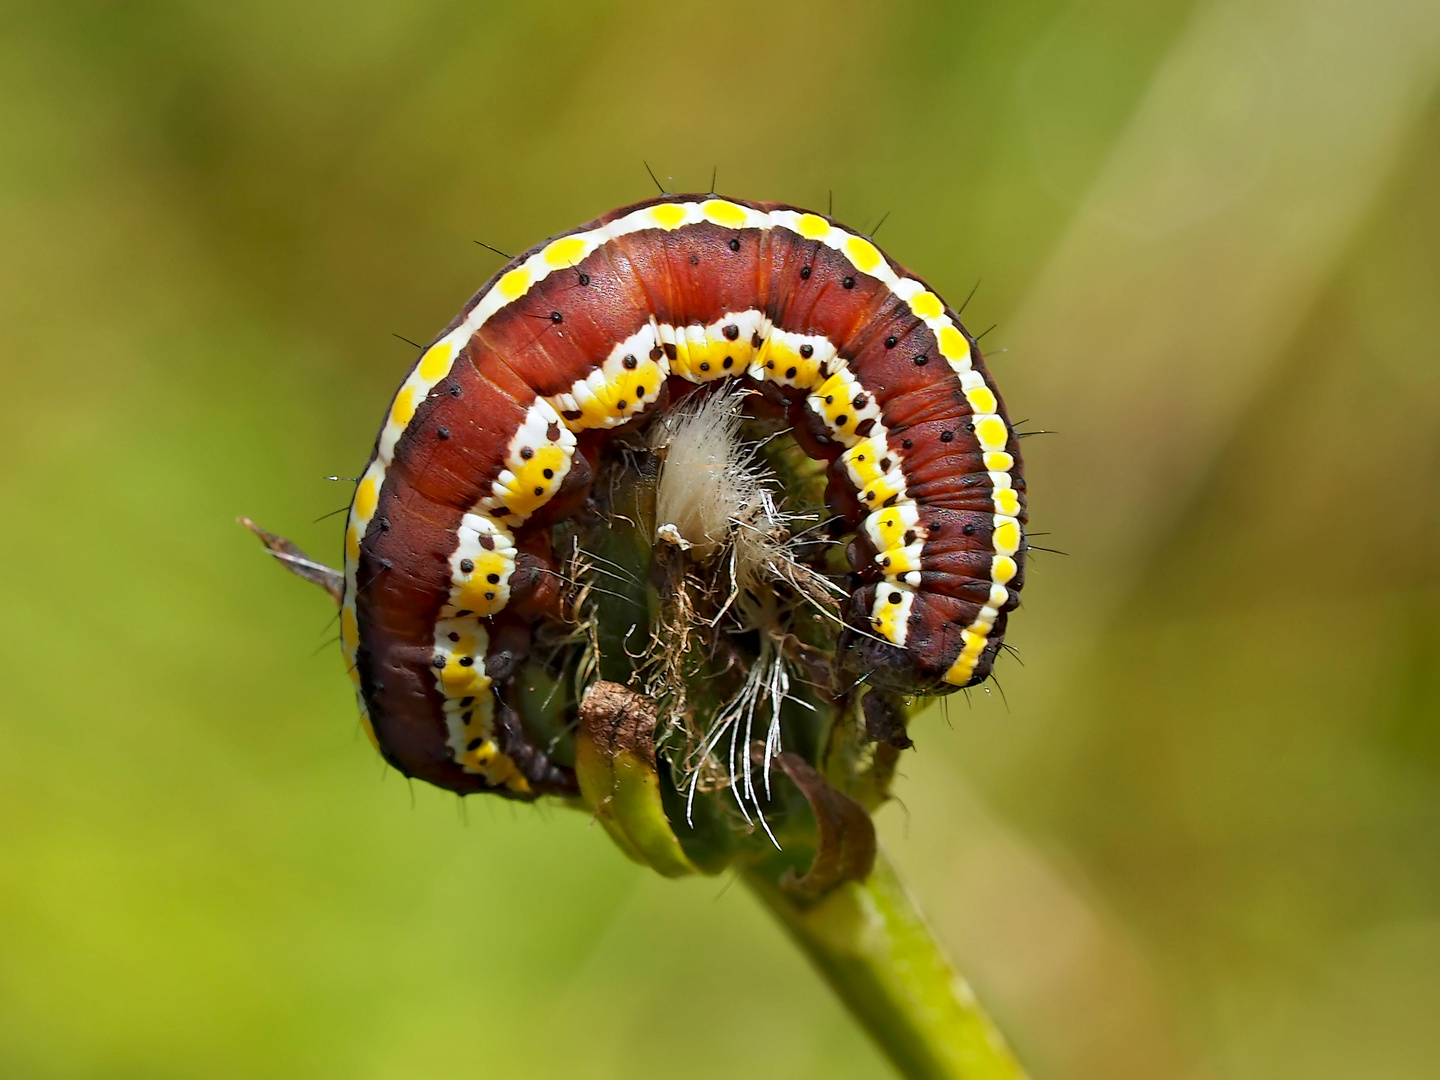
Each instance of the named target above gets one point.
<point>1199,840</point>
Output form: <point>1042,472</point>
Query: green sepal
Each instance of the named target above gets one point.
<point>615,765</point>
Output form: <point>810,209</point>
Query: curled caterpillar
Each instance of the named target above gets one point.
<point>493,436</point>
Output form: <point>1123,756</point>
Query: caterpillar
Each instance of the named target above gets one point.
<point>493,435</point>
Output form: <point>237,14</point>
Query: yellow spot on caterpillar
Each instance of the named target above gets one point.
<point>436,361</point>
<point>781,360</point>
<point>567,251</point>
<point>524,487</point>
<point>724,213</point>
<point>891,613</point>
<point>459,680</point>
<point>953,345</point>
<point>889,486</point>
<point>813,227</point>
<point>981,398</point>
<point>477,592</point>
<point>1003,569</point>
<point>999,461</point>
<point>668,215</point>
<point>514,284</point>
<point>1007,501</point>
<point>349,630</point>
<point>404,407</point>
<point>927,306</point>
<point>352,543</point>
<point>959,673</point>
<point>992,433</point>
<point>862,461</point>
<point>899,561</point>
<point>367,496</point>
<point>964,666</point>
<point>863,254</point>
<point>1006,537</point>
<point>887,528</point>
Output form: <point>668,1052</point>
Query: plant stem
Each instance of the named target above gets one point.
<point>872,945</point>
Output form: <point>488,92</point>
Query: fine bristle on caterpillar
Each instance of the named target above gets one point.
<point>493,438</point>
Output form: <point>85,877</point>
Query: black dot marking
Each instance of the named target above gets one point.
<point>488,543</point>
<point>729,363</point>
<point>572,414</point>
<point>639,392</point>
<point>921,360</point>
<point>869,496</point>
<point>895,598</point>
<point>549,474</point>
<point>556,317</point>
<point>553,432</point>
<point>622,404</point>
<point>526,453</point>
<point>454,390</point>
<point>656,353</point>
<point>670,350</point>
<point>731,332</point>
<point>756,340</point>
<point>474,744</point>
<point>946,436</point>
<point>630,363</point>
<point>770,365</point>
<point>704,365</point>
<point>969,427</point>
<point>734,245</point>
<point>968,530</point>
<point>489,596</point>
<point>829,399</point>
<point>454,636</point>
<point>804,273</point>
<point>849,283</point>
<point>860,457</point>
<point>494,579</point>
<point>584,279</point>
<point>694,260</point>
<point>539,491</point>
<point>842,420</point>
<point>439,660</point>
<point>466,702</point>
<point>807,351</point>
<point>885,561</point>
<point>467,566</point>
<point>442,433</point>
<point>860,402</point>
<point>791,372</point>
<point>891,341</point>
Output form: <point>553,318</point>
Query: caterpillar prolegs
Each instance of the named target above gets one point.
<point>495,433</point>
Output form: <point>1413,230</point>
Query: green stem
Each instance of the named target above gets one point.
<point>871,944</point>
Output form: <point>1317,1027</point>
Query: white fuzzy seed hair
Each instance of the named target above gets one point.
<point>710,483</point>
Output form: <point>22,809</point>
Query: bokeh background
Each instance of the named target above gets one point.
<point>1196,838</point>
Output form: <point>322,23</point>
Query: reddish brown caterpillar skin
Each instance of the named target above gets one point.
<point>496,429</point>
